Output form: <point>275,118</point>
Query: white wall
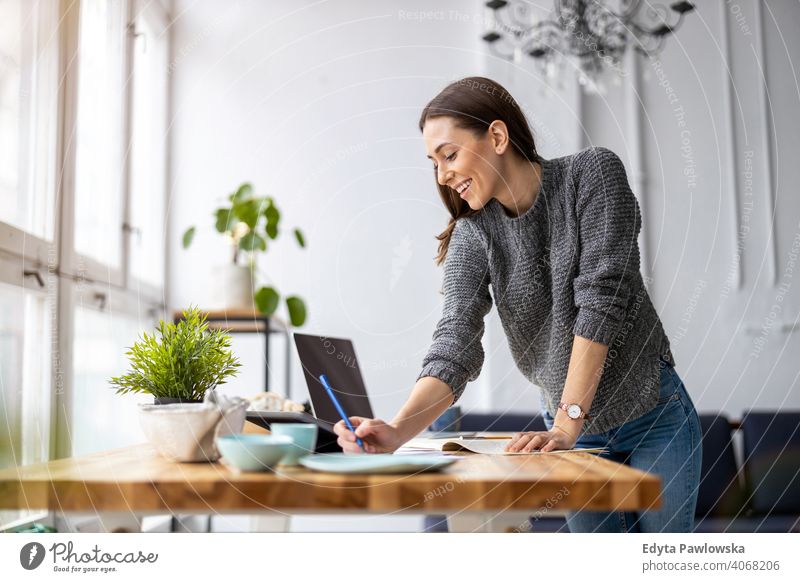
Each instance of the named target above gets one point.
<point>707,193</point>
<point>318,105</point>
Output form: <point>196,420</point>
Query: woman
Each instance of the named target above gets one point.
<point>557,241</point>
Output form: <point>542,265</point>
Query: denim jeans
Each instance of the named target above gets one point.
<point>665,442</point>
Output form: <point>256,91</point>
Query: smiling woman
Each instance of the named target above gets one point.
<point>556,240</point>
<point>469,169</point>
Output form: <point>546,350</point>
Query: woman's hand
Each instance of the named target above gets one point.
<point>546,441</point>
<point>377,436</point>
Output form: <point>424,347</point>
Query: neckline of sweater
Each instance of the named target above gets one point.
<point>501,211</point>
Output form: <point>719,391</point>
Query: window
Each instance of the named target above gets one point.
<point>29,101</point>
<point>28,120</point>
<point>25,379</point>
<point>148,148</point>
<point>83,83</point>
<point>104,326</point>
<point>115,197</point>
<point>98,133</point>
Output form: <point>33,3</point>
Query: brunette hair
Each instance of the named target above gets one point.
<point>474,103</point>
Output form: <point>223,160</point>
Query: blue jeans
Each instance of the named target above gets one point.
<point>665,442</point>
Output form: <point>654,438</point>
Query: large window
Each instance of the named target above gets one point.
<point>98,132</point>
<point>25,379</point>
<point>29,148</point>
<point>29,51</point>
<point>83,118</point>
<point>148,147</point>
<point>103,327</point>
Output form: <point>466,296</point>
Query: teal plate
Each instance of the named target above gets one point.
<point>377,463</point>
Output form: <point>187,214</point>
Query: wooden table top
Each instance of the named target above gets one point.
<point>239,320</point>
<point>136,478</point>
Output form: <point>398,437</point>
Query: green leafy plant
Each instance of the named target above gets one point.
<point>249,222</point>
<point>179,360</point>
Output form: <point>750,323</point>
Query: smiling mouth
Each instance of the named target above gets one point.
<point>464,187</point>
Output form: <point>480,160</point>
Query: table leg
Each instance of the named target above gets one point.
<point>190,523</point>
<point>121,523</point>
<point>270,523</point>
<point>266,357</point>
<point>104,522</point>
<point>486,522</point>
<point>288,365</point>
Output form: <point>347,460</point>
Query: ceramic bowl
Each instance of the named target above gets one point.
<point>253,452</point>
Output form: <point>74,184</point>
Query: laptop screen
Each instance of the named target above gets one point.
<point>335,358</point>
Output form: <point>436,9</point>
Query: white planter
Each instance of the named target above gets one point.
<point>233,287</point>
<point>187,432</point>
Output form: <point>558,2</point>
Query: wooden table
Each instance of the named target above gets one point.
<point>473,492</point>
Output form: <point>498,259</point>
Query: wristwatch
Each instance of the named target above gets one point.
<point>574,411</point>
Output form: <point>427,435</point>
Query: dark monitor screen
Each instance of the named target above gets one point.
<point>335,358</point>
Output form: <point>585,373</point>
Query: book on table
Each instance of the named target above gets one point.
<point>493,445</point>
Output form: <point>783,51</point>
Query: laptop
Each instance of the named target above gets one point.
<point>336,358</point>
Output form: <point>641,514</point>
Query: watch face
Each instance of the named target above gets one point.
<point>574,411</point>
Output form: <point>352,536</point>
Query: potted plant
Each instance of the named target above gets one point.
<point>180,362</point>
<point>248,222</point>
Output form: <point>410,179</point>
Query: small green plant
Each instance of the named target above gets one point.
<point>248,223</point>
<point>179,360</point>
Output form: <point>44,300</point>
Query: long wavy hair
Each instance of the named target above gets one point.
<point>474,103</point>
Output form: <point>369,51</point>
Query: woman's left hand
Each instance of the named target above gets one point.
<point>555,439</point>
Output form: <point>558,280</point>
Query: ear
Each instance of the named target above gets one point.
<point>498,132</point>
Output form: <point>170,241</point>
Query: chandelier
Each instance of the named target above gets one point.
<point>595,33</point>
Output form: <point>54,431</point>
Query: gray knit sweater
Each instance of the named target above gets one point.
<point>568,266</point>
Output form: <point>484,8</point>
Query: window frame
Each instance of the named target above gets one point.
<point>32,249</point>
<point>12,276</point>
<point>121,290</point>
<point>103,298</point>
<point>67,276</point>
<point>159,19</point>
<point>72,262</point>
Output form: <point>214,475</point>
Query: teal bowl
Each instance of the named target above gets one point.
<point>253,452</point>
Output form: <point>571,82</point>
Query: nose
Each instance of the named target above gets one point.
<point>443,177</point>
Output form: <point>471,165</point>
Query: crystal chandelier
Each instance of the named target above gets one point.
<point>594,33</point>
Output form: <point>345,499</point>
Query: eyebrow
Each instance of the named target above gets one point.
<point>440,146</point>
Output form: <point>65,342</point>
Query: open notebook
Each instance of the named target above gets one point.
<point>483,445</point>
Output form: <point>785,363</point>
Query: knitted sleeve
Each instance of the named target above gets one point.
<point>456,355</point>
<point>609,221</point>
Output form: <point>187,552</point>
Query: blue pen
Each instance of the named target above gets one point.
<point>329,390</point>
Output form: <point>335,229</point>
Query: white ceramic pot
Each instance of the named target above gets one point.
<point>187,432</point>
<point>233,287</point>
